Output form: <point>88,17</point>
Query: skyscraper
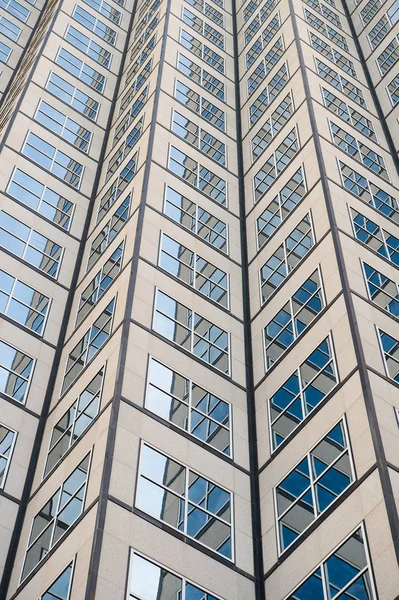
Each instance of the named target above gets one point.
<point>199,298</point>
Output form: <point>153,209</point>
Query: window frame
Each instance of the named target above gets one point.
<point>10,453</point>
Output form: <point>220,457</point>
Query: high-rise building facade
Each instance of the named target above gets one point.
<point>199,300</point>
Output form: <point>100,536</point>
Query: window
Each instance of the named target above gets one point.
<point>267,7</point>
<point>135,86</point>
<point>95,25</point>
<point>268,94</point>
<point>326,12</point>
<point>369,11</point>
<point>388,57</point>
<point>197,175</point>
<point>7,443</point>
<point>73,424</point>
<point>106,9</point>
<point>127,120</point>
<point>347,113</point>
<point>340,83</point>
<point>367,191</point>
<point>40,198</point>
<point>280,207</point>
<point>376,238</point>
<point>202,27</point>
<point>336,57</point>
<point>56,162</point>
<point>381,290</point>
<point>194,270</point>
<point>275,164</point>
<point>125,148</point>
<point>215,15</point>
<point>30,245</point>
<point>390,352</point>
<point>5,52</point>
<point>88,46</point>
<point>286,258</point>
<point>200,105</point>
<point>202,51</point>
<point>195,219</point>
<point>72,96</point>
<point>200,76</point>
<point>9,29</point>
<point>90,344</point>
<point>109,232</point>
<point>393,90</point>
<point>146,52</point>
<point>294,318</point>
<point>16,10</point>
<point>393,13</point>
<point>260,43</point>
<point>61,125</point>
<point>16,370</point>
<point>174,494</point>
<point>199,138</point>
<point>97,287</point>
<point>147,578</point>
<point>346,570</point>
<point>81,70</point>
<point>22,303</point>
<point>331,33</point>
<point>56,517</point>
<point>189,406</point>
<point>272,126</point>
<point>60,589</point>
<point>379,32</point>
<point>124,177</point>
<point>356,149</point>
<point>192,332</point>
<point>264,67</point>
<point>313,485</point>
<point>309,384</point>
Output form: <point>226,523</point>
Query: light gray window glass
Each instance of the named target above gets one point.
<point>16,9</point>
<point>375,237</point>
<point>5,52</point>
<point>370,9</point>
<point>61,125</point>
<point>9,29</point>
<point>325,29</point>
<point>269,59</point>
<point>53,160</point>
<point>30,245</point>
<point>370,193</point>
<point>260,43</point>
<point>81,70</point>
<point>275,164</point>
<point>313,485</point>
<point>390,352</point>
<point>201,77</point>
<point>88,46</point>
<point>88,346</point>
<point>192,332</point>
<point>280,207</point>
<point>379,32</point>
<point>388,57</point>
<point>294,318</point>
<point>56,517</point>
<point>16,370</point>
<point>22,303</point>
<point>7,442</point>
<point>200,105</point>
<point>340,83</point>
<point>381,290</point>
<point>309,384</point>
<point>95,25</point>
<point>197,175</point>
<point>72,96</point>
<point>286,258</point>
<point>128,119</point>
<point>195,219</point>
<point>194,270</point>
<point>326,12</point>
<point>339,59</point>
<point>202,27</point>
<point>345,112</point>
<point>149,580</point>
<point>125,148</point>
<point>97,287</point>
<point>135,86</point>
<point>119,185</point>
<point>199,138</point>
<point>109,232</point>
<point>40,198</point>
<point>344,574</point>
<point>106,9</point>
<point>189,406</point>
<point>393,90</point>
<point>268,94</point>
<point>272,126</point>
<point>73,424</point>
<point>174,494</point>
<point>267,7</point>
